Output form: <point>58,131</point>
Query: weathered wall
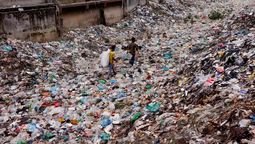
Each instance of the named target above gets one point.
<point>113,14</point>
<point>131,4</point>
<point>41,25</point>
<point>33,25</point>
<point>142,2</point>
<point>80,17</point>
<point>9,3</point>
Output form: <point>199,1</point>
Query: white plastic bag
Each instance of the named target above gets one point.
<point>105,58</point>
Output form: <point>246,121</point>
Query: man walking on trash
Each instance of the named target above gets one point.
<point>111,59</point>
<point>132,47</point>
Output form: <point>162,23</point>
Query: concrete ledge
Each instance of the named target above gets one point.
<point>23,3</point>
<point>10,9</point>
<point>88,3</point>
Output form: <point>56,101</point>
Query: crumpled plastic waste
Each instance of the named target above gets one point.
<point>192,80</point>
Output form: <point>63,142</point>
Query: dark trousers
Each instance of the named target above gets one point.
<point>132,60</point>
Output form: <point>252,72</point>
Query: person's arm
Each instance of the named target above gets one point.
<point>137,48</point>
<point>127,49</point>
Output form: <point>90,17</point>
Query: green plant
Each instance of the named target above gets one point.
<point>192,21</point>
<point>189,16</point>
<point>186,20</point>
<point>214,15</point>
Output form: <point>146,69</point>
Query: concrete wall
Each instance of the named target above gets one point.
<point>129,5</point>
<point>142,2</point>
<point>9,3</point>
<point>41,25</point>
<point>33,25</point>
<point>113,14</point>
<point>80,17</point>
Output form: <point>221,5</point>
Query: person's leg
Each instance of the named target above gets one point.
<point>110,69</point>
<point>132,59</point>
<point>113,69</point>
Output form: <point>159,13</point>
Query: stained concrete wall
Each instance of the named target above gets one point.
<point>9,3</point>
<point>41,25</point>
<point>129,5</point>
<point>142,2</point>
<point>33,25</point>
<point>80,17</point>
<point>113,14</point>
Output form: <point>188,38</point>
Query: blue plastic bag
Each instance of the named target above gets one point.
<point>8,48</point>
<point>105,122</point>
<point>100,88</point>
<point>122,95</point>
<point>196,80</point>
<point>31,127</point>
<point>113,81</point>
<point>83,99</point>
<point>164,69</point>
<point>53,90</point>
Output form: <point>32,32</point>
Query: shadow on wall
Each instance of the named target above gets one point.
<point>81,17</point>
<point>33,25</point>
<point>131,4</point>
<point>102,17</point>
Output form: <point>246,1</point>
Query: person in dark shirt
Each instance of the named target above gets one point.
<point>132,47</point>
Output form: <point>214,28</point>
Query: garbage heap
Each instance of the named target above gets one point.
<point>192,81</point>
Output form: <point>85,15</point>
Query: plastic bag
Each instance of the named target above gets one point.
<point>105,122</point>
<point>104,136</point>
<point>209,81</point>
<point>102,81</point>
<point>21,142</point>
<point>108,129</point>
<point>105,58</point>
<point>244,122</point>
<point>153,107</point>
<point>136,116</point>
<point>56,110</point>
<point>122,95</point>
<point>50,135</point>
<point>31,127</point>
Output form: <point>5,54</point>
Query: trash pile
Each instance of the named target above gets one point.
<point>192,81</point>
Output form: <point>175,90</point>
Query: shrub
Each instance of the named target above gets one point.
<point>214,15</point>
